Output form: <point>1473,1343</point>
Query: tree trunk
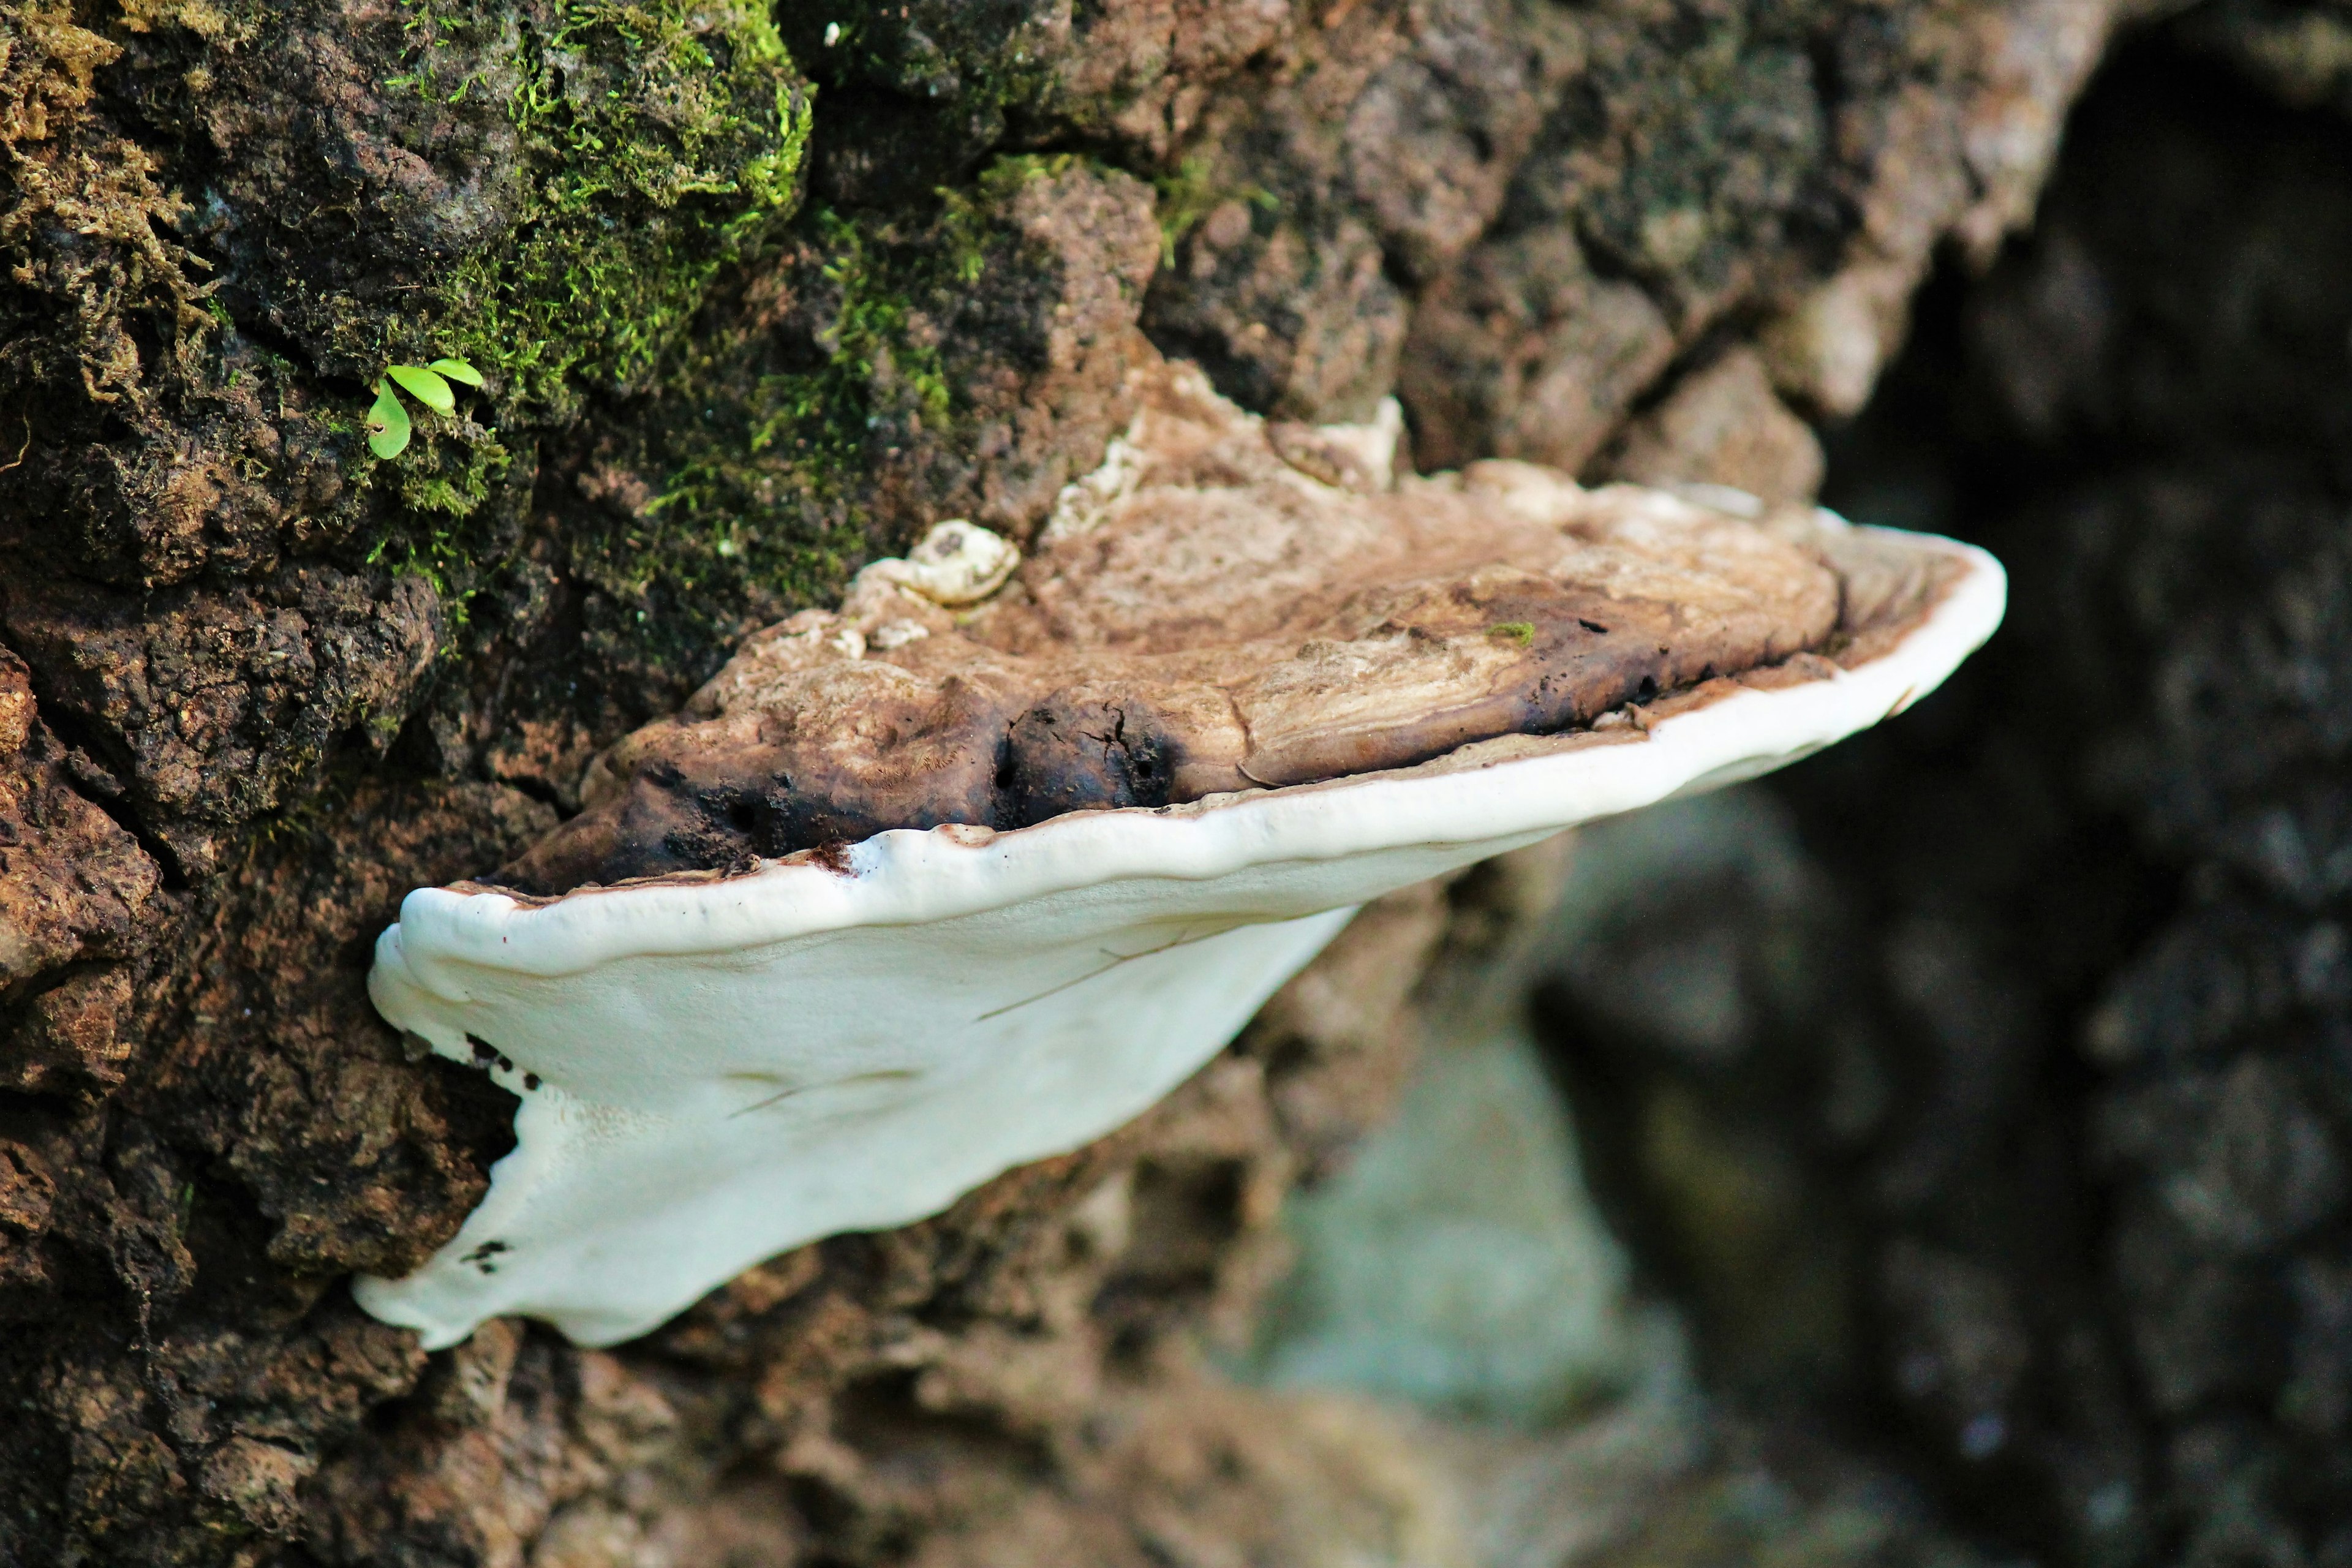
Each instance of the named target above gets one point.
<point>756,297</point>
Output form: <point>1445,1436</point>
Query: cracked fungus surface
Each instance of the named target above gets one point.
<point>1226,605</point>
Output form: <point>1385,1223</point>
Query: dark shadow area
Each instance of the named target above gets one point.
<point>2008,1131</point>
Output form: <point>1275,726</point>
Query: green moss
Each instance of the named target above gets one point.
<point>459,475</point>
<point>661,141</point>
<point>662,145</point>
<point>974,63</point>
<point>450,533</point>
<point>766,474</point>
<point>761,500</point>
<point>1189,194</point>
<point>823,413</point>
<point>885,280</point>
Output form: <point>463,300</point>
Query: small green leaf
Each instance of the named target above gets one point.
<point>424,386</point>
<point>459,371</point>
<point>387,424</point>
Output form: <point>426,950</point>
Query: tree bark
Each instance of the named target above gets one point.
<point>756,297</point>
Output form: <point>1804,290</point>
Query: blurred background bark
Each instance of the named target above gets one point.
<point>1935,1153</point>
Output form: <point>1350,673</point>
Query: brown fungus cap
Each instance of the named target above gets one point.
<point>1224,606</point>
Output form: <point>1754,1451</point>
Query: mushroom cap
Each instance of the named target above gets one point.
<point>723,1061</point>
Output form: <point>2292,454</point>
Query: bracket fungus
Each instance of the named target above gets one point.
<point>978,866</point>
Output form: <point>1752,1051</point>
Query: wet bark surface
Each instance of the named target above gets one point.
<point>738,336</point>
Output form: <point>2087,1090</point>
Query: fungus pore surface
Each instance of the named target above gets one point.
<point>977,868</point>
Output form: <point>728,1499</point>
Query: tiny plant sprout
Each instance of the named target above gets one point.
<point>388,425</point>
<point>425,387</point>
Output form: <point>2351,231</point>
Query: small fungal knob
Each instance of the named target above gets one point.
<point>958,562</point>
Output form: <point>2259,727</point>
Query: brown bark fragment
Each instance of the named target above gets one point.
<point>1724,426</point>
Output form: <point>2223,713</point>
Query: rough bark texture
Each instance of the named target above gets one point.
<point>256,683</point>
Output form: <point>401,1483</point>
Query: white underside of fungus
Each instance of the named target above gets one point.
<point>727,1070</point>
<point>715,1069</point>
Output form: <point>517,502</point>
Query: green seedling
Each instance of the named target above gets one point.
<point>388,424</point>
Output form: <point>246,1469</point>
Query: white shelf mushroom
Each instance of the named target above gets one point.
<point>724,1059</point>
